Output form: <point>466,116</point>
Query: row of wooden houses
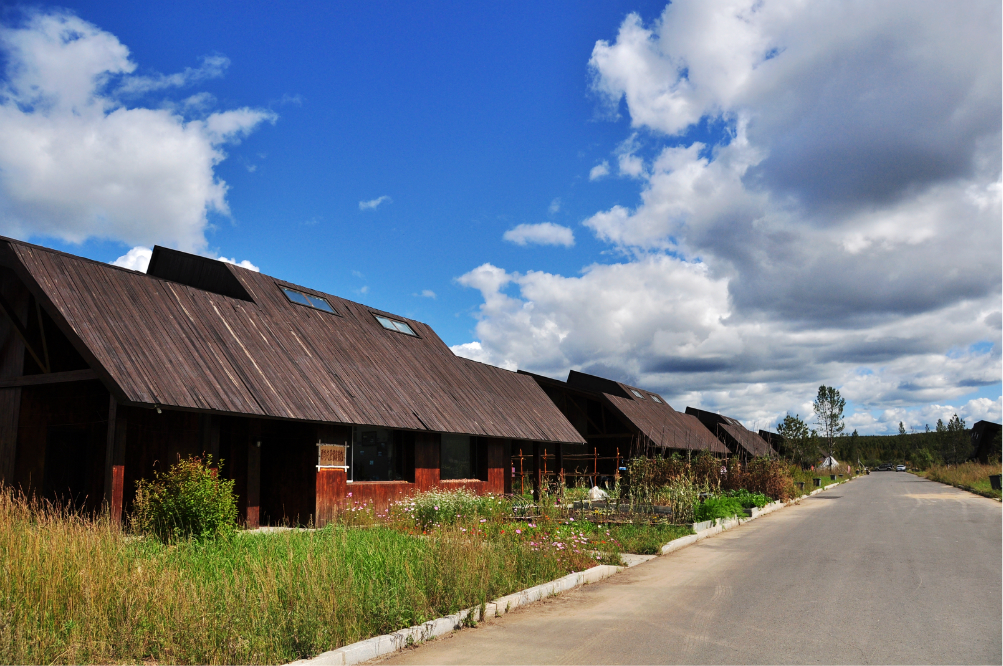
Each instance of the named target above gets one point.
<point>108,374</point>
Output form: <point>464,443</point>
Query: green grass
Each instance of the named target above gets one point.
<point>970,476</point>
<point>80,591</point>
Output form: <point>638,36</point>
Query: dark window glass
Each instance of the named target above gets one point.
<point>455,459</point>
<point>296,297</point>
<point>320,303</point>
<point>373,455</point>
<point>637,393</point>
<point>315,302</point>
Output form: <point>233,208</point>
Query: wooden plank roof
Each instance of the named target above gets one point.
<point>733,431</point>
<point>156,341</point>
<point>644,411</point>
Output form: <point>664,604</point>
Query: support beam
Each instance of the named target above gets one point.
<point>22,333</point>
<point>559,462</point>
<point>114,476</point>
<point>49,378</point>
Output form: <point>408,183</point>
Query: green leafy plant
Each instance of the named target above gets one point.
<point>189,501</point>
<point>748,499</point>
<point>719,507</point>
<point>447,507</point>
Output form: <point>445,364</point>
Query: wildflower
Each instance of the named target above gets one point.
<point>518,531</point>
<point>484,520</point>
<point>349,494</point>
<point>436,508</point>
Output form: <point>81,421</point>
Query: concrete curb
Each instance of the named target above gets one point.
<point>721,525</point>
<point>380,646</point>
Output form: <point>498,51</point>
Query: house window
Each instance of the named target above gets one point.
<point>456,457</point>
<point>655,398</point>
<point>637,393</point>
<point>309,300</point>
<point>395,325</point>
<point>374,456</point>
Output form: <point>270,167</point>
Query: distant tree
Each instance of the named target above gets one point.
<point>958,443</point>
<point>800,443</point>
<point>901,428</point>
<point>828,408</point>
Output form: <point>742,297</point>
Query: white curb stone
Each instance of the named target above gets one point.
<point>381,646</point>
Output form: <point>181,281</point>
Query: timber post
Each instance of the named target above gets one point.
<point>254,478</point>
<point>537,469</point>
<point>114,474</point>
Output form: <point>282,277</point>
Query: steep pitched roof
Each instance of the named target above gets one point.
<point>160,341</point>
<point>733,432</point>
<point>644,411</point>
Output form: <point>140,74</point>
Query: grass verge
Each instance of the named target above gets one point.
<point>80,591</point>
<point>970,476</point>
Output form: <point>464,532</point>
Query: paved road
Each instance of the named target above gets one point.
<point>889,568</point>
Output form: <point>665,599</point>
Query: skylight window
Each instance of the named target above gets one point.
<point>637,393</point>
<point>655,398</point>
<point>309,300</point>
<point>395,325</point>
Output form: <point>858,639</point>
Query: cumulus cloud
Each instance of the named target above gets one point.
<point>372,204</point>
<point>77,163</point>
<point>427,293</point>
<point>243,263</point>
<point>825,176</point>
<point>136,259</point>
<point>599,171</point>
<point>545,233</point>
<point>555,206</point>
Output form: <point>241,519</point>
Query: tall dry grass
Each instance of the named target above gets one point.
<point>970,476</point>
<point>78,590</point>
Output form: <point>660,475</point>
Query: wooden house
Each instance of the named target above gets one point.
<point>310,400</point>
<point>619,420</point>
<point>740,442</point>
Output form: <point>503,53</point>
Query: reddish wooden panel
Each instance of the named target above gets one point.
<point>117,492</point>
<point>473,485</point>
<point>331,492</point>
<point>426,479</point>
<point>378,493</point>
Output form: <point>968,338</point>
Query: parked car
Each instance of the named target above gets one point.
<point>900,468</point>
<point>883,467</point>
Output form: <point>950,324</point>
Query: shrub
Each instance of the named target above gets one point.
<point>761,475</point>
<point>682,496</point>
<point>438,507</point>
<point>188,501</point>
<point>749,500</point>
<point>718,507</point>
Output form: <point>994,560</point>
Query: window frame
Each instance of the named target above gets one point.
<point>656,398</point>
<point>394,322</point>
<point>285,289</point>
<point>637,394</point>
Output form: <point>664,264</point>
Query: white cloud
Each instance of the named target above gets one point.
<point>836,222</point>
<point>545,233</point>
<point>244,263</point>
<point>138,259</point>
<point>75,163</point>
<point>428,293</point>
<point>213,67</point>
<point>599,171</point>
<point>555,206</point>
<point>372,204</point>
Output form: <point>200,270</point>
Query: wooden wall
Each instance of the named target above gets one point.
<point>61,441</point>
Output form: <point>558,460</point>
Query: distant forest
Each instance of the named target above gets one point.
<point>921,449</point>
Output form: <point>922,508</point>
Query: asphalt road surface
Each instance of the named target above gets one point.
<point>887,569</point>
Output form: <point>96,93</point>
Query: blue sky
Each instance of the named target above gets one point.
<point>761,199</point>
